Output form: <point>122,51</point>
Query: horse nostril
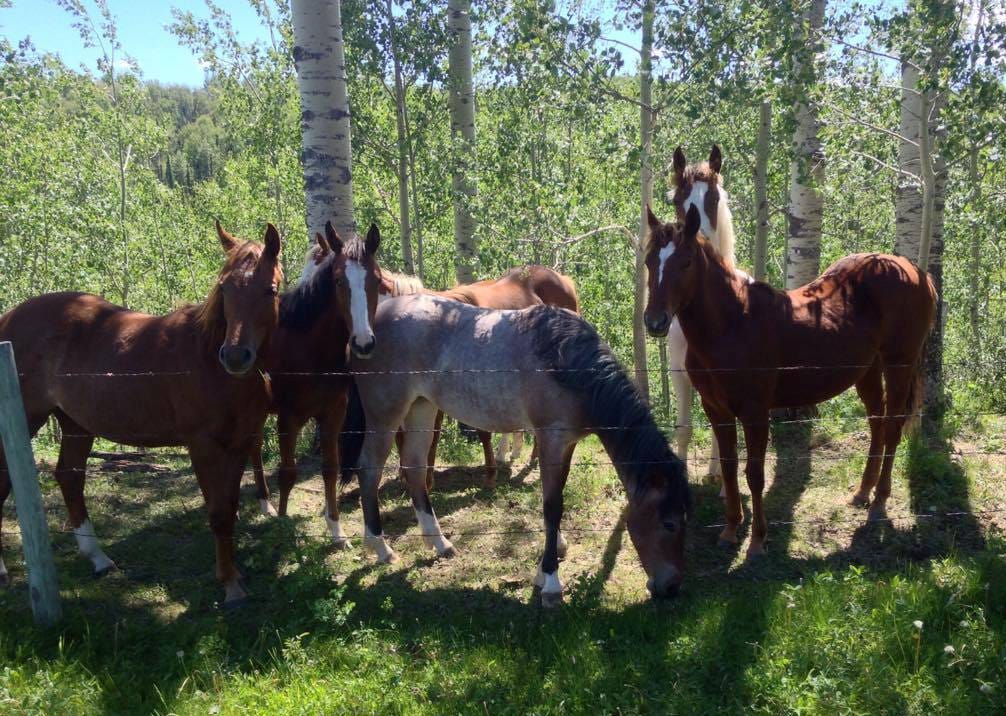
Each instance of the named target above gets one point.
<point>365,349</point>
<point>236,359</point>
<point>658,325</point>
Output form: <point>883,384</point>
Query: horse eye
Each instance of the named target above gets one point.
<point>670,525</point>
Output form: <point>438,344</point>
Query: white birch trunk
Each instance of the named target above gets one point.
<point>404,218</point>
<point>806,200</point>
<point>645,196</point>
<point>908,195</point>
<point>760,253</point>
<point>327,154</point>
<point>462,108</point>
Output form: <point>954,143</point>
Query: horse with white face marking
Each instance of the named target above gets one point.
<point>501,371</point>
<point>697,185</point>
<point>328,312</point>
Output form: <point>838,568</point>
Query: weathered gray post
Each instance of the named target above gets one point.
<point>42,584</point>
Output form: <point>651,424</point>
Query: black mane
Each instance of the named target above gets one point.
<point>582,363</point>
<point>300,308</point>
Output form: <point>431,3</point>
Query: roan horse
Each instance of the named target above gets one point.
<point>752,348</point>
<point>520,287</point>
<point>698,185</point>
<point>192,377</point>
<point>329,310</point>
<point>542,367</point>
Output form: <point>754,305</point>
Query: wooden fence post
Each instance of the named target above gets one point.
<point>42,585</point>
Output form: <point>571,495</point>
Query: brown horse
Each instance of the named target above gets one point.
<point>752,348</point>
<point>329,310</point>
<point>192,377</point>
<point>518,288</point>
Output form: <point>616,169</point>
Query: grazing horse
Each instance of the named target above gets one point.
<point>192,377</point>
<point>329,310</point>
<point>751,348</point>
<point>520,287</point>
<point>502,371</point>
<point>698,185</point>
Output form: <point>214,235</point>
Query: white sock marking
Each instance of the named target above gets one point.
<point>357,275</point>
<point>502,447</point>
<point>338,536</point>
<point>548,582</point>
<point>378,544</point>
<point>87,544</point>
<point>266,508</point>
<point>432,535</point>
<point>518,446</point>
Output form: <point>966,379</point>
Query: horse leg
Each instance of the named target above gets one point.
<point>501,449</point>
<point>74,449</point>
<point>725,429</point>
<point>373,456</point>
<point>418,422</point>
<point>518,445</point>
<point>288,427</point>
<point>218,472</point>
<point>556,453</point>
<point>399,444</point>
<point>431,457</point>
<point>261,485</point>
<point>330,425</point>
<point>898,384</point>
<point>35,422</point>
<point>871,391</point>
<point>756,437</point>
<point>490,459</point>
<point>683,424</point>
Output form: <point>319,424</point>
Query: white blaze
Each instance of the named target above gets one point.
<point>357,275</point>
<point>665,253</point>
<point>698,199</point>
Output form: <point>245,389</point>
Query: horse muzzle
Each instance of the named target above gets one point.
<point>237,360</point>
<point>363,350</point>
<point>665,585</point>
<point>657,325</point>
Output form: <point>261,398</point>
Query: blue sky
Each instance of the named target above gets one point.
<point>141,31</point>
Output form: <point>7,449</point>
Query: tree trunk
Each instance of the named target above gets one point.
<point>403,149</point>
<point>462,108</point>
<point>760,253</point>
<point>806,201</point>
<point>908,195</point>
<point>645,195</point>
<point>327,153</point>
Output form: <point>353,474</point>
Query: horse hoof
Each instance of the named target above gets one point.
<point>551,600</point>
<point>340,544</point>
<point>266,508</point>
<point>389,558</point>
<point>726,544</point>
<point>859,501</point>
<point>754,557</point>
<point>449,553</point>
<point>876,514</point>
<point>231,605</point>
<point>99,573</point>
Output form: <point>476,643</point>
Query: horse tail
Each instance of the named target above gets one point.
<point>917,387</point>
<point>354,429</point>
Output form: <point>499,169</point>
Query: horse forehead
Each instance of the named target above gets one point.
<point>662,256</point>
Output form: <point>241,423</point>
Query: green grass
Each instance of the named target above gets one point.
<point>824,625</point>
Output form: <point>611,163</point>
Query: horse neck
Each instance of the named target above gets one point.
<point>725,239</point>
<point>716,299</point>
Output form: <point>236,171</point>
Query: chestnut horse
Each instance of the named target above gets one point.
<point>520,287</point>
<point>751,348</point>
<point>329,310</point>
<point>698,185</point>
<point>542,367</point>
<point>192,377</point>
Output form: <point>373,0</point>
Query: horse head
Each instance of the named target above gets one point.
<point>656,519</point>
<point>246,298</point>
<point>700,185</point>
<point>670,255</point>
<point>357,278</point>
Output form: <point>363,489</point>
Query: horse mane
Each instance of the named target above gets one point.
<point>300,307</point>
<point>210,313</point>
<point>726,239</point>
<point>402,283</point>
<point>570,348</point>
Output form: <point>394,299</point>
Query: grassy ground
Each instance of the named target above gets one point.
<point>906,617</point>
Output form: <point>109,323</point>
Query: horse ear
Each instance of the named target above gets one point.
<point>652,219</point>
<point>273,244</point>
<point>693,220</point>
<point>373,239</point>
<point>679,164</point>
<point>323,246</point>
<point>226,240</point>
<point>715,158</point>
<point>334,241</point>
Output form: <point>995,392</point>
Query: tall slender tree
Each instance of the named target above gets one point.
<point>462,110</point>
<point>327,153</point>
<point>645,192</point>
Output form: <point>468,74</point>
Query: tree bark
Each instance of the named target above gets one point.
<point>806,200</point>
<point>404,217</point>
<point>645,196</point>
<point>327,154</point>
<point>462,108</point>
<point>760,252</point>
<point>908,195</point>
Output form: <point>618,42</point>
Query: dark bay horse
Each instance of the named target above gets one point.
<point>541,367</point>
<point>520,287</point>
<point>752,348</point>
<point>328,312</point>
<point>192,377</point>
